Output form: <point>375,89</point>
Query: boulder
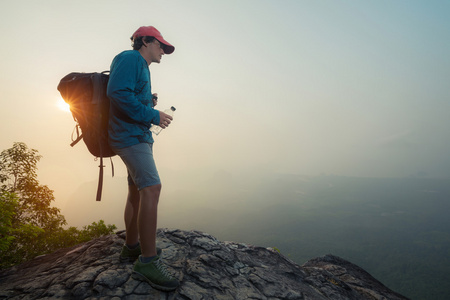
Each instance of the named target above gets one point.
<point>206,267</point>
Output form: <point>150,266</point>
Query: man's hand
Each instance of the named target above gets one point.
<point>155,99</point>
<point>164,119</point>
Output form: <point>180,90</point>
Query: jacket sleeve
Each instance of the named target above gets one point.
<point>122,84</point>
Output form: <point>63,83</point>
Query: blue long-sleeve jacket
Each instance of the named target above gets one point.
<point>131,110</point>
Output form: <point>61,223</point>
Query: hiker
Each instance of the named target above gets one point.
<point>131,115</point>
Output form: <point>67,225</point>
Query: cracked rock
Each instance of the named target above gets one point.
<point>206,267</point>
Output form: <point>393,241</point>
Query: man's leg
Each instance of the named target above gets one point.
<point>131,216</point>
<point>149,266</point>
<point>147,218</point>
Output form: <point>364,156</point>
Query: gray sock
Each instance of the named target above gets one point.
<point>146,260</point>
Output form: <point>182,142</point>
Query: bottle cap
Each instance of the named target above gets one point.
<point>173,108</point>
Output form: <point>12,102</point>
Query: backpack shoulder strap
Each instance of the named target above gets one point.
<point>96,88</point>
<point>96,98</point>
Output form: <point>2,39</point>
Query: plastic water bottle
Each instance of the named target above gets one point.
<point>155,129</point>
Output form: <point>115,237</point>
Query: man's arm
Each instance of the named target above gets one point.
<point>121,87</point>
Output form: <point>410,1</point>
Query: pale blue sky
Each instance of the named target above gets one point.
<point>356,88</point>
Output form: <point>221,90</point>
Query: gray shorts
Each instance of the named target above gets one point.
<point>140,164</point>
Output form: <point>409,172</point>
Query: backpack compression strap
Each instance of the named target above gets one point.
<point>100,180</point>
<point>79,136</point>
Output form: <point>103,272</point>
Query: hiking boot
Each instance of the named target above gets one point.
<point>156,274</point>
<point>130,255</point>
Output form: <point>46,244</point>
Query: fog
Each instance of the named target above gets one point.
<point>308,88</point>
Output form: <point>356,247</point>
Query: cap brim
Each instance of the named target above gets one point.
<point>168,48</point>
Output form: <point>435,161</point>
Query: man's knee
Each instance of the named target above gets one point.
<point>152,191</point>
<point>155,188</point>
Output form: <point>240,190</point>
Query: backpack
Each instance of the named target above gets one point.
<point>89,104</point>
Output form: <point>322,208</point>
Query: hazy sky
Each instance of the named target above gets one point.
<point>356,88</point>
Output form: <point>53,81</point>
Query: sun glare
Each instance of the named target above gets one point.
<point>62,105</point>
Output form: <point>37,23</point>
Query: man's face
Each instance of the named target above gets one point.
<point>156,51</point>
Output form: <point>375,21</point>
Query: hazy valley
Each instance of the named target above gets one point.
<point>396,228</point>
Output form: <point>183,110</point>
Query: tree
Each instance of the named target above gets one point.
<point>18,175</point>
<point>29,225</point>
<point>8,207</point>
<point>95,230</point>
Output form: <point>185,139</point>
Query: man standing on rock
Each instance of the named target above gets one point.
<point>131,115</point>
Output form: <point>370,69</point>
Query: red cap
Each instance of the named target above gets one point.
<point>152,31</point>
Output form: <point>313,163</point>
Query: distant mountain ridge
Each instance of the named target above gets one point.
<point>208,269</point>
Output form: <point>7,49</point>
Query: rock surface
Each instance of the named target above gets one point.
<point>206,267</point>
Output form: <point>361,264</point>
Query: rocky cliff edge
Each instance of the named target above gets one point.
<point>206,267</point>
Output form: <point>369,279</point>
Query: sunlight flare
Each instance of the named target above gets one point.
<point>62,105</point>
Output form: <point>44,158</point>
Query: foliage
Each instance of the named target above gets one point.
<point>71,236</point>
<point>29,226</point>
<point>18,174</point>
<point>8,206</point>
<point>96,230</point>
